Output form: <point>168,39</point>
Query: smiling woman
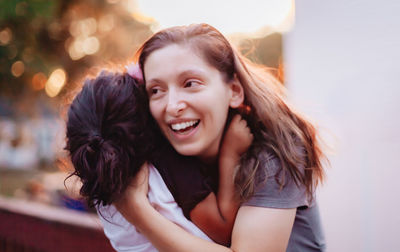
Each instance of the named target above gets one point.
<point>196,82</point>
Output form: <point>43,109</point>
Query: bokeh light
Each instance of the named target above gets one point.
<point>55,82</point>
<point>83,27</point>
<point>106,23</point>
<point>82,42</point>
<point>5,36</point>
<point>75,49</point>
<point>90,45</point>
<point>18,68</point>
<point>38,81</point>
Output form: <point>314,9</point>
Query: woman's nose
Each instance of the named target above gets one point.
<point>176,104</point>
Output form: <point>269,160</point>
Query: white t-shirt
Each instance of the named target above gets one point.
<point>124,236</point>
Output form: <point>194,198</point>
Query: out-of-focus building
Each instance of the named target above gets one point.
<point>343,61</point>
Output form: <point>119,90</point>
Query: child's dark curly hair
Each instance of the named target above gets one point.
<point>108,135</point>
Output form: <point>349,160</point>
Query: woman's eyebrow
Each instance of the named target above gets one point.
<point>181,75</point>
<point>154,81</point>
<point>191,72</point>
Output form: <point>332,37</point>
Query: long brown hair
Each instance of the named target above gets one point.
<point>275,124</point>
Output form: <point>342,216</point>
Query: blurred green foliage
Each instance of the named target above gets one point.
<point>28,21</point>
<point>27,9</point>
<point>40,32</point>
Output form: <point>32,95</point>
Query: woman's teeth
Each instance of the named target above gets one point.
<point>183,125</point>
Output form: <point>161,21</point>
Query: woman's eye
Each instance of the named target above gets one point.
<point>191,83</point>
<point>153,91</point>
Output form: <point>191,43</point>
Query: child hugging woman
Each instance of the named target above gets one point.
<point>110,135</point>
<point>195,82</point>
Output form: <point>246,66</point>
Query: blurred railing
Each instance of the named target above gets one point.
<point>34,227</point>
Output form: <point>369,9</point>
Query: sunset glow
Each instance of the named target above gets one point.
<point>234,16</point>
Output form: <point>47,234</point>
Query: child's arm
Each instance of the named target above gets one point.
<point>215,215</point>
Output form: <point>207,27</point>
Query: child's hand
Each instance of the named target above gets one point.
<point>237,138</point>
<point>136,192</point>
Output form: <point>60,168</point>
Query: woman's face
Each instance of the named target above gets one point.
<point>189,99</point>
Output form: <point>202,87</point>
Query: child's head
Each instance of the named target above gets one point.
<point>107,135</point>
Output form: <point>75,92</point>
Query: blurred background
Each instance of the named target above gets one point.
<point>339,60</point>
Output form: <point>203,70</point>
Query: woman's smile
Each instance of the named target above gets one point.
<point>184,127</point>
<point>183,131</point>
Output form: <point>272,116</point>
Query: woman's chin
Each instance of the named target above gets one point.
<point>186,150</point>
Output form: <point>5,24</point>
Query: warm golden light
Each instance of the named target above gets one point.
<point>18,68</point>
<point>113,1</point>
<point>91,45</point>
<point>251,16</point>
<point>143,18</point>
<point>106,23</point>
<point>75,49</point>
<point>82,42</point>
<point>55,82</point>
<point>82,46</point>
<point>83,27</point>
<point>5,36</point>
<point>38,81</point>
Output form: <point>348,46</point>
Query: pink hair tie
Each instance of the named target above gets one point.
<point>135,72</point>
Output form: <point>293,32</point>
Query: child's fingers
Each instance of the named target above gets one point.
<point>239,121</point>
<point>239,125</point>
<point>140,183</point>
<point>136,190</point>
<point>251,137</point>
<point>236,118</point>
<point>242,122</point>
<point>143,174</point>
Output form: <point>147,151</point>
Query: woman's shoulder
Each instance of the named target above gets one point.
<point>276,187</point>
<point>272,165</point>
<point>269,163</point>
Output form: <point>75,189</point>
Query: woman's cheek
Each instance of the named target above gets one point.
<point>155,109</point>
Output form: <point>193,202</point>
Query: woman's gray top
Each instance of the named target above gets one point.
<point>307,233</point>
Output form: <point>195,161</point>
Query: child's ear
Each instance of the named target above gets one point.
<point>237,93</point>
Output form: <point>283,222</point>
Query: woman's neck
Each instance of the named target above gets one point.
<point>210,161</point>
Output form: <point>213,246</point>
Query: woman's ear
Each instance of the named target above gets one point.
<point>237,93</point>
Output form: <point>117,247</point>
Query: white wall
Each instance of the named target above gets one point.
<point>343,69</point>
